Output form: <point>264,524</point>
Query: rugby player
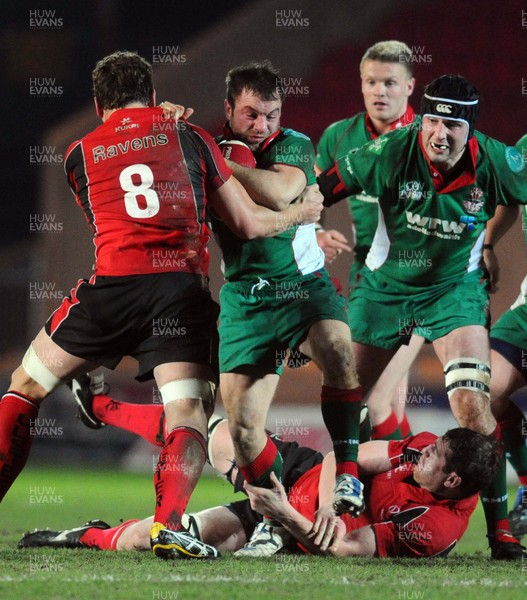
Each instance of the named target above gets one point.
<point>144,183</point>
<point>438,184</point>
<point>421,493</point>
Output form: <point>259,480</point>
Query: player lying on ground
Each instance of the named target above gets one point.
<point>420,495</point>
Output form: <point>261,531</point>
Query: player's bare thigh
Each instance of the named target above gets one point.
<point>60,363</point>
<point>389,393</point>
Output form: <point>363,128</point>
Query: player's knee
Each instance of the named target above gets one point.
<point>245,431</point>
<point>467,373</point>
<point>336,359</point>
<point>33,378</point>
<point>190,394</point>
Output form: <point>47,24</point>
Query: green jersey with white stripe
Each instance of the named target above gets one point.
<point>289,254</point>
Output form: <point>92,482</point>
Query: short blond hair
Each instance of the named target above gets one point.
<point>390,51</point>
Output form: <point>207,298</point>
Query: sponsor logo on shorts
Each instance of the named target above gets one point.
<point>259,285</point>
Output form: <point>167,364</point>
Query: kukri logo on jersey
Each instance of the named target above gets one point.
<point>441,228</point>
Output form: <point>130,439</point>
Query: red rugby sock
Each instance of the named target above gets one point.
<point>105,539</point>
<point>269,461</point>
<point>404,427</point>
<point>387,430</point>
<point>178,470</point>
<point>146,420</point>
<point>17,415</point>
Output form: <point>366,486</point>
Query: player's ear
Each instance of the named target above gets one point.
<point>228,109</point>
<point>152,101</point>
<point>410,86</point>
<point>452,481</point>
<point>98,108</point>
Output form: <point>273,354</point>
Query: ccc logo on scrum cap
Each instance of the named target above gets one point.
<point>444,108</point>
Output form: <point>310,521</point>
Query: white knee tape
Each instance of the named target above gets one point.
<point>469,374</point>
<point>38,371</point>
<point>182,389</point>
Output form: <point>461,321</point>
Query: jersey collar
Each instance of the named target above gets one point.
<point>403,120</point>
<point>468,175</point>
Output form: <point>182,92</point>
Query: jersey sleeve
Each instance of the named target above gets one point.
<point>217,170</point>
<point>324,158</point>
<point>360,170</point>
<point>509,166</point>
<point>420,531</point>
<point>401,451</point>
<point>295,150</point>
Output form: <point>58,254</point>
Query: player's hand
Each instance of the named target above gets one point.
<point>338,536</point>
<point>311,205</point>
<point>175,111</point>
<point>326,522</point>
<point>493,268</point>
<point>270,502</point>
<point>332,243</point>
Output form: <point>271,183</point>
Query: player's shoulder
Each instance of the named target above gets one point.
<point>391,145</point>
<point>340,127</point>
<point>293,136</point>
<point>521,145</point>
<point>74,149</point>
<point>505,159</point>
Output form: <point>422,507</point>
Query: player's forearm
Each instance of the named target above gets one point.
<point>502,221</point>
<point>326,483</point>
<point>301,528</point>
<point>266,187</point>
<point>268,223</point>
<point>373,457</point>
<point>333,187</point>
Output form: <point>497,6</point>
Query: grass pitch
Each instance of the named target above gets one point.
<point>62,499</point>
